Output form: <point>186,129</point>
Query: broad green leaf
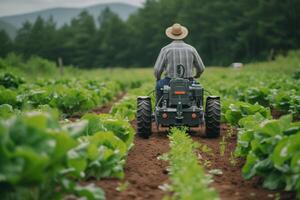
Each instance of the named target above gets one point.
<point>89,192</point>
<point>295,162</point>
<point>280,154</point>
<point>109,140</point>
<point>273,180</point>
<point>76,129</point>
<point>248,169</point>
<point>77,157</point>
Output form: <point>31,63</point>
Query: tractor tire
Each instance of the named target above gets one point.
<point>212,117</point>
<point>144,119</point>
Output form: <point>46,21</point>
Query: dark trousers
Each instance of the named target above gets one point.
<point>159,86</point>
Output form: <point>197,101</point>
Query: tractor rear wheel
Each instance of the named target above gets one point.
<point>212,117</point>
<point>144,120</point>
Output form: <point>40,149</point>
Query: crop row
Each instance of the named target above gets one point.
<point>67,95</point>
<point>188,179</point>
<point>40,156</point>
<point>249,98</point>
<point>126,108</point>
<point>270,84</point>
<point>271,147</point>
<point>281,95</point>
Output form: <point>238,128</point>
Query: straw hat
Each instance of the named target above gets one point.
<point>177,32</point>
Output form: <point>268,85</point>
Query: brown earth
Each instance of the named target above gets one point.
<point>231,185</point>
<point>144,173</point>
<point>276,114</point>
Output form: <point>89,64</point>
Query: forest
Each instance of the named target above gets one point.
<point>222,31</point>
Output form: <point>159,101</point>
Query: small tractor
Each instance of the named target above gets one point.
<point>180,105</point>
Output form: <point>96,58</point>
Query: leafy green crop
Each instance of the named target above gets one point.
<point>34,155</point>
<point>104,141</point>
<point>6,111</point>
<point>37,154</point>
<point>296,74</point>
<point>235,111</point>
<point>104,122</point>
<point>8,96</point>
<point>9,80</point>
<point>272,149</point>
<point>125,108</point>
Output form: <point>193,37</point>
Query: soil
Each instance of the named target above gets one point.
<point>144,173</point>
<point>276,114</point>
<point>231,185</point>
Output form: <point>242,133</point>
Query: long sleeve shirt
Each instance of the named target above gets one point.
<point>178,53</point>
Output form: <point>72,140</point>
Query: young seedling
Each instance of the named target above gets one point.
<point>223,144</point>
<point>232,159</point>
<point>277,196</point>
<point>229,132</point>
<point>122,186</point>
<point>206,149</point>
<point>207,163</point>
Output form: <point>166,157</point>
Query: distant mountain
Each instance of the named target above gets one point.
<point>8,28</point>
<point>64,15</point>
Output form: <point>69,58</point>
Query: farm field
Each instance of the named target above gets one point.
<point>72,135</point>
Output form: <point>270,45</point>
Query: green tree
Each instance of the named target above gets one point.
<point>112,40</point>
<point>22,40</point>
<point>5,44</point>
<point>79,40</point>
<point>38,38</point>
<point>222,31</point>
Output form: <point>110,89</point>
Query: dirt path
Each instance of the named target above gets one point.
<point>231,185</point>
<point>144,173</point>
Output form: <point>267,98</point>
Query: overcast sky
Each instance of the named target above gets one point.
<point>11,7</point>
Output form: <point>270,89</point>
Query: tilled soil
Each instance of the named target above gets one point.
<point>230,184</point>
<point>144,173</point>
<point>276,114</point>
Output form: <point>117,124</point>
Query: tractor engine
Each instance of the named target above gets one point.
<point>181,104</point>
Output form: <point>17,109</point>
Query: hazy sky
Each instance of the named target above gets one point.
<point>11,7</point>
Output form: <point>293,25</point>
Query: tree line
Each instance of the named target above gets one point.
<point>222,31</point>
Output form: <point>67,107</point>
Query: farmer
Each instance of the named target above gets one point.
<point>174,54</point>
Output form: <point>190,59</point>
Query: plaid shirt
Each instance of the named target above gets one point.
<point>178,53</point>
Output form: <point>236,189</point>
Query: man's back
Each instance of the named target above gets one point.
<point>178,53</point>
